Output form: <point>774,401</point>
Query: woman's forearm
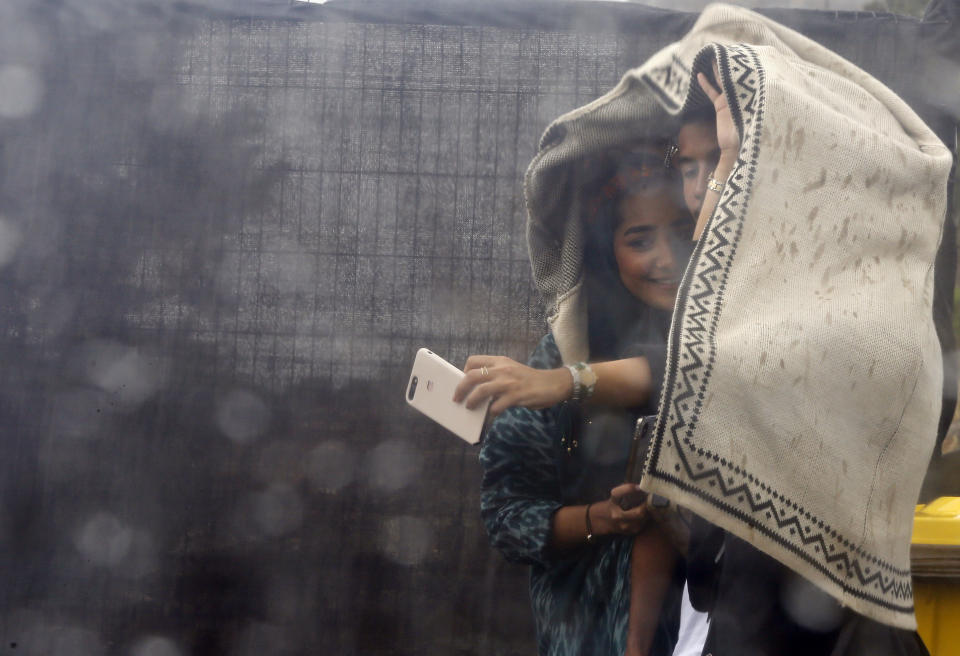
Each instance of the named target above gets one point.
<point>569,528</point>
<point>619,383</point>
<point>622,383</point>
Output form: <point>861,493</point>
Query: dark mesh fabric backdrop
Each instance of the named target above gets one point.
<point>223,235</point>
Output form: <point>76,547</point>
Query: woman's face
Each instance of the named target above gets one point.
<point>651,245</point>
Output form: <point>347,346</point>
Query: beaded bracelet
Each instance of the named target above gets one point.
<point>589,526</point>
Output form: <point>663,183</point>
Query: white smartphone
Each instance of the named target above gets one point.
<point>430,390</point>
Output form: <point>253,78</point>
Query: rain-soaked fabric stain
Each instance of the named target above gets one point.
<point>816,184</point>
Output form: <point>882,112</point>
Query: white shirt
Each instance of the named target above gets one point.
<point>693,628</point>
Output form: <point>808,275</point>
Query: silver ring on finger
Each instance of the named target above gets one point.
<point>484,371</point>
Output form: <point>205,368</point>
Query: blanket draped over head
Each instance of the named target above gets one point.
<point>804,375</point>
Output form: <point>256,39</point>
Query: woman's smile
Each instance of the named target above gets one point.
<point>649,246</point>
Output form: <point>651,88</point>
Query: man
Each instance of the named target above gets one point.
<point>758,606</point>
<point>696,156</point>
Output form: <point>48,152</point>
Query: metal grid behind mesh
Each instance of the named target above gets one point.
<point>397,217</point>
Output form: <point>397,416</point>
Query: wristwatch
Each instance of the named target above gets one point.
<point>584,381</point>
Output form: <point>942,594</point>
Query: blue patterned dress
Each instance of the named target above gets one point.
<point>581,598</point>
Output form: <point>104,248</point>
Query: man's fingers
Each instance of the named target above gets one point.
<point>712,92</point>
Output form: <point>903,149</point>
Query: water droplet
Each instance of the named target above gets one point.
<point>53,639</point>
<point>809,606</point>
<point>10,239</point>
<point>124,372</point>
<point>155,646</point>
<point>392,465</point>
<point>331,466</point>
<point>20,91</point>
<point>242,416</point>
<point>104,540</point>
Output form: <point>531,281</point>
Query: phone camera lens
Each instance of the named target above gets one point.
<point>413,388</point>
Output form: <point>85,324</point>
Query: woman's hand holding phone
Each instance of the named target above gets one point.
<point>509,383</point>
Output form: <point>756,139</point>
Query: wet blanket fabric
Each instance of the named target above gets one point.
<point>804,374</point>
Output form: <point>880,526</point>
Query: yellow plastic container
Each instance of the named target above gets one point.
<point>935,556</point>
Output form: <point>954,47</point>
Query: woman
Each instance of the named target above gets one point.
<point>555,457</point>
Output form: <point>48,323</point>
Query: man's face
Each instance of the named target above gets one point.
<point>696,158</point>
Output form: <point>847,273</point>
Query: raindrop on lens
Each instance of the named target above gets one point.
<point>809,606</point>
<point>20,91</point>
<point>104,540</point>
<point>156,646</point>
<point>60,640</point>
<point>10,240</point>
<point>242,416</point>
<point>391,465</point>
<point>331,466</point>
<point>121,370</point>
